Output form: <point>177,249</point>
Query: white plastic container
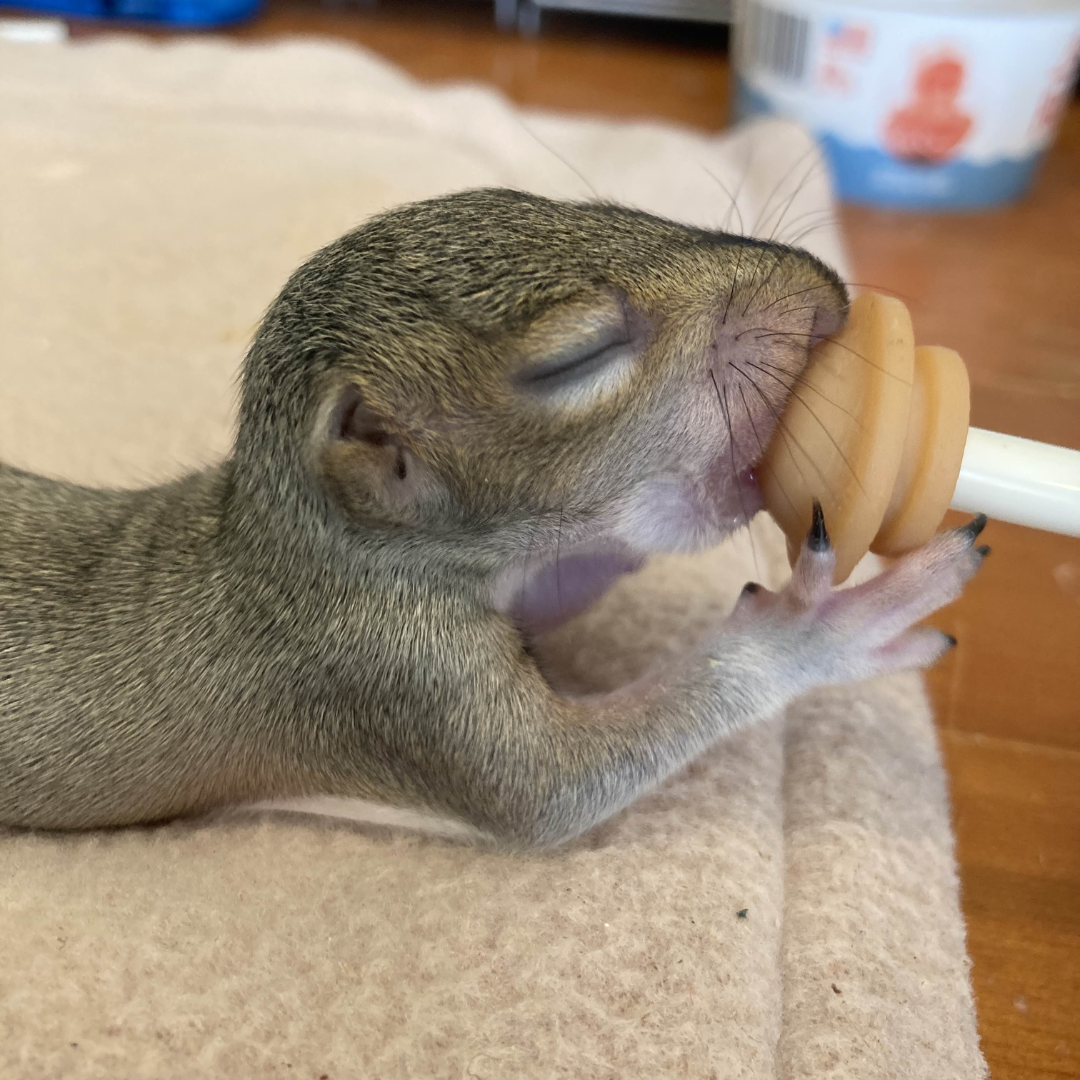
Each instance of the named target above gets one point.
<point>927,104</point>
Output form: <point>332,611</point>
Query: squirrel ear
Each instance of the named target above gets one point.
<point>353,421</point>
<point>368,465</point>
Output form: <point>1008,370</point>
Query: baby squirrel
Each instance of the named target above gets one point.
<point>459,424</point>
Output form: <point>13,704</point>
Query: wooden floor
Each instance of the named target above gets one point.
<point>1004,289</point>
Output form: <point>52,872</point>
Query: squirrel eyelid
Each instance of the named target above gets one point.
<point>580,361</point>
<point>586,381</point>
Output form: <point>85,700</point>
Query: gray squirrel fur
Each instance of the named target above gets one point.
<point>337,608</point>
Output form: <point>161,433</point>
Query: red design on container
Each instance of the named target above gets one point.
<point>835,78</point>
<point>931,127</point>
<point>850,38</point>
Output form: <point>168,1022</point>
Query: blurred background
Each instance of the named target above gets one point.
<point>953,135</point>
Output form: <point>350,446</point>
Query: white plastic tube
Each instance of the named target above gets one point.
<point>1019,480</point>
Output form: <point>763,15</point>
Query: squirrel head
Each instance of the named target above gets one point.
<point>492,374</point>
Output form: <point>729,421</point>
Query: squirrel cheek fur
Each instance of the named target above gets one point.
<point>459,424</point>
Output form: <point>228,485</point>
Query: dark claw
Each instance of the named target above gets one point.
<point>974,527</point>
<point>984,550</point>
<point>818,540</point>
<point>751,587</point>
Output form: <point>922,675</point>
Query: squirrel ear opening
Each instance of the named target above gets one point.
<point>367,465</point>
<point>352,420</point>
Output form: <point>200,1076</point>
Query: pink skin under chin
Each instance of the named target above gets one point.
<point>557,588</point>
<point>567,586</point>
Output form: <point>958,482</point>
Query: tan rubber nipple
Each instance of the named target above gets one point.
<point>875,430</point>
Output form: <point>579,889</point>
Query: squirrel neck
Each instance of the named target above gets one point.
<point>281,529</point>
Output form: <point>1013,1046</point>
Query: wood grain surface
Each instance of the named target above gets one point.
<point>1004,289</point>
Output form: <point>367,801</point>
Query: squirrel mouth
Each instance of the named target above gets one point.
<point>748,490</point>
<point>732,499</point>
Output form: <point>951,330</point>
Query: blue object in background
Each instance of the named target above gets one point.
<point>189,14</point>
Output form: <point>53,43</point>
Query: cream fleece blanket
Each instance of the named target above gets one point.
<point>786,908</point>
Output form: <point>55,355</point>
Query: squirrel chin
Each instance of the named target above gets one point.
<point>547,589</point>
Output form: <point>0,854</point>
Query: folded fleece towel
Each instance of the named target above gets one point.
<point>785,908</point>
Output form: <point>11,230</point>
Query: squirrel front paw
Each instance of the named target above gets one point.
<point>843,635</point>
